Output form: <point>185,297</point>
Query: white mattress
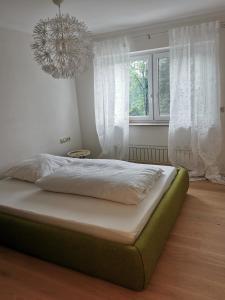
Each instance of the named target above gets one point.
<point>97,217</point>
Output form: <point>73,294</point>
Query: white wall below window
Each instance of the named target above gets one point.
<point>35,109</point>
<point>149,135</point>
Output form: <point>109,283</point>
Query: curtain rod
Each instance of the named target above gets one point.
<point>150,35</point>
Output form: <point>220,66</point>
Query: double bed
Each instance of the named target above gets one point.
<point>116,242</point>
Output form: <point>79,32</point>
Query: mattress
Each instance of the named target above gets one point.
<point>100,218</point>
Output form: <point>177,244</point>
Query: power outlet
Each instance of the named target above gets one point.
<point>65,140</point>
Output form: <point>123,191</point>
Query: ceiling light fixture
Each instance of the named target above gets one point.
<point>62,45</point>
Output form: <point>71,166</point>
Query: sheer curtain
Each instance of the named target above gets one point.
<point>111,92</point>
<point>195,99</point>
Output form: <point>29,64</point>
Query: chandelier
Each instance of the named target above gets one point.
<point>62,45</point>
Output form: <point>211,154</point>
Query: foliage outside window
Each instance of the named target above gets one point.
<point>149,87</point>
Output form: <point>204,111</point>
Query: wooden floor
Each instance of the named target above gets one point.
<point>191,267</point>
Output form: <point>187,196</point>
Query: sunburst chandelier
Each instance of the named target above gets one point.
<point>62,45</point>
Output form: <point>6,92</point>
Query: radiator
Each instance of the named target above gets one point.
<point>156,154</point>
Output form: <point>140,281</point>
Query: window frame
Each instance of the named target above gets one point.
<point>154,117</point>
<point>156,57</point>
<point>143,119</point>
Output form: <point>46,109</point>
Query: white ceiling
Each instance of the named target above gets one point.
<point>105,15</point>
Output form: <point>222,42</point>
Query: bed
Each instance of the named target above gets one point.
<point>122,246</point>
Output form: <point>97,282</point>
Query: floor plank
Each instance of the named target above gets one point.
<point>192,265</point>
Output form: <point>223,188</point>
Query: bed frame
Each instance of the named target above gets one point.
<point>127,265</point>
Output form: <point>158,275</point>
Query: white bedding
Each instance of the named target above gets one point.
<point>38,166</point>
<point>97,217</point>
<point>109,179</point>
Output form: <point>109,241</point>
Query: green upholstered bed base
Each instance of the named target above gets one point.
<point>128,265</point>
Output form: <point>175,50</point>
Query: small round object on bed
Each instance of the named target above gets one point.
<point>82,153</point>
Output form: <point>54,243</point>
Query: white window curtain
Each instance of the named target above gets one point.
<point>111,92</point>
<point>195,100</point>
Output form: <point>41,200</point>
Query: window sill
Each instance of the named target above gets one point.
<point>149,124</point>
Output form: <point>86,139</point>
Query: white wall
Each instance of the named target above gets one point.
<point>35,110</point>
<point>152,135</point>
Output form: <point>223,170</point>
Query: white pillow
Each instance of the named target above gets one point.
<point>113,180</point>
<point>37,167</point>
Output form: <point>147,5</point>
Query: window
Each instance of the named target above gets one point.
<point>149,87</point>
